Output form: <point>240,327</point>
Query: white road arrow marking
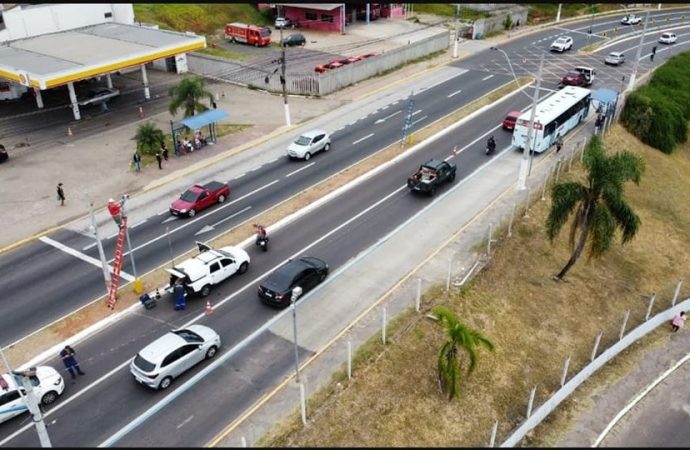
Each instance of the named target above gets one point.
<point>169,219</point>
<point>206,229</point>
<point>388,117</point>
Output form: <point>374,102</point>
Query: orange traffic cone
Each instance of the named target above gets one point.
<point>69,132</point>
<point>209,310</point>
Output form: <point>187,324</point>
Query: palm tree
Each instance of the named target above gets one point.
<point>149,138</point>
<point>460,337</point>
<point>599,206</point>
<point>188,94</point>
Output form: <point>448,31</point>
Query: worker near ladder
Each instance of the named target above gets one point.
<point>114,210</point>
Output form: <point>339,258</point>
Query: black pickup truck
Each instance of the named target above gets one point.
<point>430,175</point>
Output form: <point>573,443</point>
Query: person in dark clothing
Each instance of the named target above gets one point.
<point>70,362</point>
<point>60,194</point>
<point>159,159</point>
<point>164,150</point>
<point>178,291</point>
<point>559,144</point>
<point>137,161</point>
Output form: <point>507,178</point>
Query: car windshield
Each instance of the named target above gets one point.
<point>561,40</point>
<point>303,140</point>
<point>265,32</point>
<point>189,336</point>
<point>573,74</point>
<point>144,364</point>
<point>189,196</point>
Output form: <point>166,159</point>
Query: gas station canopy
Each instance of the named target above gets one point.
<point>56,59</point>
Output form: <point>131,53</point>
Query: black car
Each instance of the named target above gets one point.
<point>293,39</point>
<point>3,154</point>
<point>305,272</point>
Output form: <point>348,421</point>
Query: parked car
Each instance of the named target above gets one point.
<point>305,272</point>
<point>615,58</point>
<point>209,268</point>
<point>321,68</point>
<point>511,118</point>
<point>285,22</point>
<point>293,39</point>
<point>99,95</point>
<point>631,19</point>
<point>3,154</point>
<point>197,198</point>
<point>562,44</point>
<point>47,384</point>
<point>172,354</point>
<point>309,143</point>
<point>668,38</point>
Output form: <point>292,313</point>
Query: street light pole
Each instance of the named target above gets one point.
<point>282,79</point>
<point>525,162</point>
<point>137,282</point>
<point>296,292</point>
<point>558,14</point>
<point>99,244</point>
<point>510,65</point>
<point>457,17</point>
<point>633,75</point>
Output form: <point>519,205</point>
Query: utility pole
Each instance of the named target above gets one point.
<point>296,292</point>
<point>558,14</point>
<point>457,38</point>
<point>526,162</point>
<point>101,253</point>
<point>138,287</point>
<point>282,79</point>
<point>23,378</point>
<point>633,75</point>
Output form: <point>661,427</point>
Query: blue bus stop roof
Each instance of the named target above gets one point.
<point>205,118</point>
<point>605,95</point>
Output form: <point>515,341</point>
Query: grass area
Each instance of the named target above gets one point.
<point>428,57</point>
<point>224,53</point>
<point>202,18</point>
<point>448,10</point>
<point>535,323</point>
<point>544,12</point>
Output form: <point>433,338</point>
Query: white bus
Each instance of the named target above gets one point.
<point>556,115</point>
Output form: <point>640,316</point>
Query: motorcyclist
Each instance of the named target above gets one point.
<point>490,145</point>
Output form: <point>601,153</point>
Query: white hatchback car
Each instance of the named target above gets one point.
<point>172,354</point>
<point>48,385</point>
<point>562,44</point>
<point>309,143</point>
<point>631,19</point>
<point>668,38</point>
<point>615,58</point>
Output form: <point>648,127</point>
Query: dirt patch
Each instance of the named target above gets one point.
<point>535,323</point>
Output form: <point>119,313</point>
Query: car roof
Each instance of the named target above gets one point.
<point>312,133</point>
<point>615,53</point>
<point>433,164</point>
<point>563,38</point>
<point>289,270</point>
<point>668,34</point>
<point>161,347</point>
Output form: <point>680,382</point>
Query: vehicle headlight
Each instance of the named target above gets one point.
<point>183,211</point>
<point>57,382</point>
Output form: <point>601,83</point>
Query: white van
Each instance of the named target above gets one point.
<point>11,91</point>
<point>48,385</point>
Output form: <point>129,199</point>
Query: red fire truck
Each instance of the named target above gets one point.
<point>247,34</point>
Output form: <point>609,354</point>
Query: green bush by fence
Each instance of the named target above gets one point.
<point>658,113</point>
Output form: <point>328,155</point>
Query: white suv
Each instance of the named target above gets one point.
<point>172,354</point>
<point>208,268</point>
<point>668,38</point>
<point>562,44</point>
<point>309,143</point>
<point>631,19</point>
<point>47,386</point>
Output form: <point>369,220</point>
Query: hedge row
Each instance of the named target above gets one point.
<point>658,113</point>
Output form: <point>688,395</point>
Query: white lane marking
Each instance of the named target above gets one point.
<point>196,219</point>
<point>416,112</point>
<point>487,77</point>
<point>455,93</point>
<point>232,215</point>
<point>418,120</point>
<point>162,212</point>
<point>272,160</point>
<point>300,169</point>
<point>88,247</point>
<point>169,219</point>
<point>389,116</point>
<point>79,255</point>
<point>185,421</point>
<point>240,176</point>
<point>137,224</point>
<point>365,137</point>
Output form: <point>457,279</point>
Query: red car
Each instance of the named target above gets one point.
<point>198,198</point>
<point>574,78</point>
<point>511,118</point>
<point>321,68</point>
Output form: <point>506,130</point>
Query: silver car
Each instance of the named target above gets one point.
<point>172,354</point>
<point>615,58</point>
<point>309,143</point>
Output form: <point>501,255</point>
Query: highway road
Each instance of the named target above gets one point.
<point>88,414</point>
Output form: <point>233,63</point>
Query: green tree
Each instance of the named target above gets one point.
<point>148,138</point>
<point>188,94</point>
<point>507,22</point>
<point>599,206</point>
<point>460,337</point>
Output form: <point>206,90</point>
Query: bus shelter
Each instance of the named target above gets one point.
<point>191,124</point>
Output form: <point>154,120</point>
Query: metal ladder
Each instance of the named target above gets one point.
<point>117,265</point>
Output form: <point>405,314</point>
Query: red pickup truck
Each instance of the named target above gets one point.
<point>198,198</point>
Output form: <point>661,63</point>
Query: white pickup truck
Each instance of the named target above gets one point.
<point>208,268</point>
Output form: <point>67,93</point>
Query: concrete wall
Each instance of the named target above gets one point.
<point>482,27</point>
<point>24,21</point>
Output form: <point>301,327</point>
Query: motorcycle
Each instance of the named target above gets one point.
<point>490,147</point>
<point>262,241</point>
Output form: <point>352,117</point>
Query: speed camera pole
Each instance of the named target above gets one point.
<point>633,75</point>
<point>296,292</point>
